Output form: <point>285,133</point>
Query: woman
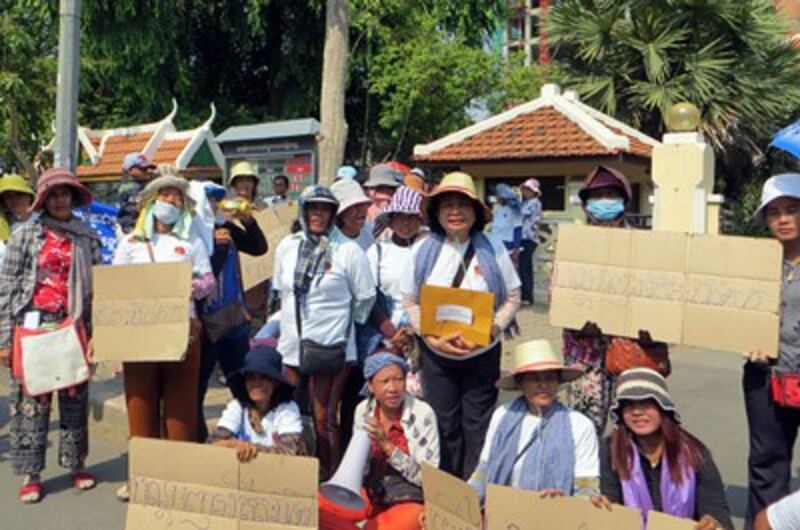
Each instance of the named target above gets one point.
<point>535,442</point>
<point>773,426</point>
<point>403,435</point>
<point>531,212</point>
<point>165,393</point>
<point>325,286</point>
<point>351,217</point>
<point>45,278</point>
<point>507,219</point>
<point>651,463</point>
<point>605,197</point>
<point>16,197</point>
<point>225,319</point>
<point>263,419</point>
<point>458,377</point>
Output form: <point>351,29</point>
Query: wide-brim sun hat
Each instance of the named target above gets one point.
<point>641,384</point>
<point>406,201</point>
<point>59,176</point>
<point>457,182</point>
<point>349,194</point>
<point>605,177</point>
<point>168,179</point>
<point>17,183</point>
<point>384,175</point>
<point>537,356</point>
<point>777,186</point>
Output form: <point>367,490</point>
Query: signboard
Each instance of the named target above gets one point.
<point>662,521</point>
<point>517,509</point>
<point>450,503</point>
<point>141,312</point>
<point>170,490</point>
<point>719,292</point>
<point>276,223</point>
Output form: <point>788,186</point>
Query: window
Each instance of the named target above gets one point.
<point>552,190</point>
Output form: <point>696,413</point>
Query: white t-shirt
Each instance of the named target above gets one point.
<point>283,419</point>
<point>450,259</point>
<point>587,461</point>
<point>393,261</point>
<point>166,248</point>
<point>327,315</point>
<point>365,238</point>
<point>785,514</point>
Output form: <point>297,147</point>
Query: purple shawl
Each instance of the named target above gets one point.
<point>677,499</point>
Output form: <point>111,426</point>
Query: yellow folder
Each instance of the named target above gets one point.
<point>446,310</point>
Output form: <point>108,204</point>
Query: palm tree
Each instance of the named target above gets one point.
<point>636,58</point>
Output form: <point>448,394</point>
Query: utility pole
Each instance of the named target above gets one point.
<point>69,57</point>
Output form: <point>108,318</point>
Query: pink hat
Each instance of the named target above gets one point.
<point>533,185</point>
<point>59,176</point>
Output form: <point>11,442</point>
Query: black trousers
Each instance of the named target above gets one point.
<point>773,431</point>
<point>463,395</point>
<point>525,269</point>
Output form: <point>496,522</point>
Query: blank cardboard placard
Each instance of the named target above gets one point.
<point>450,503</point>
<point>662,521</point>
<point>141,312</point>
<point>517,509</point>
<point>179,484</point>
<point>276,223</point>
<point>446,310</point>
<point>719,292</point>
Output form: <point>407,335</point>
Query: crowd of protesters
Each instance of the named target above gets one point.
<point>345,351</point>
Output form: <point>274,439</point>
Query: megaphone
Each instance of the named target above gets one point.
<point>344,487</point>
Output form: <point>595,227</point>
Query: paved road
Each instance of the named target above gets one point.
<point>706,386</point>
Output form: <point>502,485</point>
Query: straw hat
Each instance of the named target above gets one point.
<point>537,356</point>
<point>170,178</point>
<point>349,194</point>
<point>457,182</point>
<point>783,185</point>
<point>59,176</point>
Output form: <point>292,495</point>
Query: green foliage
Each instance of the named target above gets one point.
<point>27,70</point>
<point>636,58</point>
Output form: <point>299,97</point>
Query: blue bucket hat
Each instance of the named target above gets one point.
<point>265,361</point>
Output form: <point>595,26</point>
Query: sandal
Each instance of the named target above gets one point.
<point>83,480</point>
<point>30,493</point>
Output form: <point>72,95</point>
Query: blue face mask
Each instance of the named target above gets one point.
<point>605,209</point>
<point>166,213</point>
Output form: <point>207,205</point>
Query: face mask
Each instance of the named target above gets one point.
<point>605,209</point>
<point>166,213</point>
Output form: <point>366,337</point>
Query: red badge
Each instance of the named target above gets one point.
<point>180,250</point>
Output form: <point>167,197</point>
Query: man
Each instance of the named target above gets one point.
<point>137,171</point>
<point>244,181</point>
<point>280,189</point>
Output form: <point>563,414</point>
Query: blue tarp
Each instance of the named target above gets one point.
<point>103,218</point>
<point>788,139</point>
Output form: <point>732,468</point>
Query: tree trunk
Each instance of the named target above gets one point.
<point>333,127</point>
<point>14,143</point>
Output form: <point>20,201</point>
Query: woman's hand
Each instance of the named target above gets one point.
<point>600,501</point>
<point>758,356</point>
<point>378,434</point>
<point>246,451</point>
<point>550,493</point>
<point>403,340</point>
<point>453,344</point>
<point>5,356</point>
<point>707,523</point>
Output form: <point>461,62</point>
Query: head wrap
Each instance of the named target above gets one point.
<point>378,361</point>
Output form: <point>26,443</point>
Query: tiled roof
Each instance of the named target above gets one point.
<point>114,152</point>
<point>552,126</point>
<point>169,150</point>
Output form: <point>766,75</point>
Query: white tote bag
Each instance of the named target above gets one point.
<point>53,361</point>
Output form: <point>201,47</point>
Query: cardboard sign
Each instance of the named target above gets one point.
<point>450,503</point>
<point>517,509</point>
<point>662,521</point>
<point>141,312</point>
<point>718,292</point>
<point>445,310</point>
<point>170,490</point>
<point>276,223</point>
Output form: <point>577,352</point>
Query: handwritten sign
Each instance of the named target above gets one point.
<point>450,503</point>
<point>517,509</point>
<point>141,312</point>
<point>276,223</point>
<point>169,489</point>
<point>719,292</point>
<point>662,521</point>
<point>445,310</point>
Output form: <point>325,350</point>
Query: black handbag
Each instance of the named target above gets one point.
<point>224,320</point>
<point>318,358</point>
<point>392,488</point>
